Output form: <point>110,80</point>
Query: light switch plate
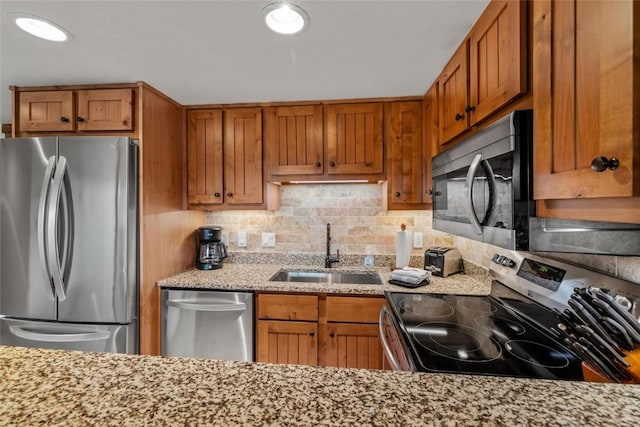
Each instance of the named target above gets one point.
<point>268,240</point>
<point>242,239</point>
<point>417,239</point>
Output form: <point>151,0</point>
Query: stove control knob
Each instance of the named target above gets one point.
<point>495,257</point>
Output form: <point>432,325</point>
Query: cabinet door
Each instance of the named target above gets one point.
<point>452,98</point>
<point>46,111</point>
<point>294,140</point>
<point>243,179</point>
<point>497,58</point>
<point>351,345</point>
<point>204,157</point>
<point>287,342</point>
<point>109,109</point>
<point>430,138</point>
<point>584,78</point>
<point>354,138</point>
<point>404,145</point>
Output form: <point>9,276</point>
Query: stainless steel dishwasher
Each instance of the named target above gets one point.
<point>207,324</point>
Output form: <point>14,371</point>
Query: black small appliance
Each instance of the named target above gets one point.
<point>210,251</point>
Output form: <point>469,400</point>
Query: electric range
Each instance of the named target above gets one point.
<point>506,333</point>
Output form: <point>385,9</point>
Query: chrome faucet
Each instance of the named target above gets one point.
<point>329,260</point>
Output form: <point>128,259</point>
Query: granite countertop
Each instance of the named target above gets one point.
<point>55,387</point>
<point>256,277</point>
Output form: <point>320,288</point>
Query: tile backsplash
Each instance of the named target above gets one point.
<point>359,223</point>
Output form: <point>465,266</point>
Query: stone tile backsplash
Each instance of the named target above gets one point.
<point>359,223</point>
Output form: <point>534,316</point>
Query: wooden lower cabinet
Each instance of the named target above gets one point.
<point>287,342</point>
<point>351,345</point>
<point>339,331</point>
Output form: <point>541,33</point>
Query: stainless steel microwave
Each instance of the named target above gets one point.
<point>482,186</point>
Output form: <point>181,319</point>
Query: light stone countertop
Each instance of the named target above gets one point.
<point>54,387</point>
<point>255,277</point>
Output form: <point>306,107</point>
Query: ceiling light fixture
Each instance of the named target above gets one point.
<point>39,27</point>
<point>285,18</point>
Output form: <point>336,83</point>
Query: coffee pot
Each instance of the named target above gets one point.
<point>210,251</point>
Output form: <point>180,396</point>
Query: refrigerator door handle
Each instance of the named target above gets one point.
<point>53,259</point>
<point>53,337</point>
<point>42,212</point>
<point>207,307</point>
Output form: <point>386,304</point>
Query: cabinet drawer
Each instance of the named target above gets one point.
<point>288,307</point>
<point>353,309</point>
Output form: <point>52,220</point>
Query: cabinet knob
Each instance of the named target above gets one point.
<point>64,120</point>
<point>318,164</point>
<point>229,194</point>
<point>459,117</point>
<point>430,192</point>
<point>79,119</point>
<point>469,109</point>
<point>331,334</point>
<point>332,164</point>
<point>311,334</point>
<point>397,194</point>
<point>600,164</point>
<point>216,194</point>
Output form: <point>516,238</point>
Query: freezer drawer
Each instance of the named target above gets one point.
<point>69,336</point>
<point>208,324</point>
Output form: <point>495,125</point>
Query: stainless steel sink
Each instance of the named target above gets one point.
<point>326,277</point>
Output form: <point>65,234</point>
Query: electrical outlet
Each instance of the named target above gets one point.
<point>225,238</point>
<point>242,239</point>
<point>268,240</point>
<point>417,239</point>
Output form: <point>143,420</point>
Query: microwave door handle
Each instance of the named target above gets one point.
<point>52,219</point>
<point>42,213</point>
<point>492,189</point>
<point>468,187</point>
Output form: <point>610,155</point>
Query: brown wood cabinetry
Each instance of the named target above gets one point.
<point>404,155</point>
<point>74,111</point>
<point>430,145</point>
<point>487,71</point>
<point>354,138</point>
<point>319,330</point>
<point>586,108</point>
<point>224,157</point>
<point>293,139</point>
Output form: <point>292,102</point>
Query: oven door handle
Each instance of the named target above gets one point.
<point>383,338</point>
<point>468,187</point>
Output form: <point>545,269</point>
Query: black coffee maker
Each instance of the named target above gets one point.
<point>210,251</point>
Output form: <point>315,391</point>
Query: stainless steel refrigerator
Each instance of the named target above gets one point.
<point>69,243</point>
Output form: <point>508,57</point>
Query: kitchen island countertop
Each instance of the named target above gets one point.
<point>54,387</point>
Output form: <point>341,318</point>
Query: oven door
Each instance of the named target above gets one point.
<point>396,353</point>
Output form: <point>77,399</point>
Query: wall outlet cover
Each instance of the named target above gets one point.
<point>242,239</point>
<point>417,239</point>
<point>268,240</point>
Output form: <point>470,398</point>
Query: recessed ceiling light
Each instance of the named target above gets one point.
<point>285,18</point>
<point>39,27</point>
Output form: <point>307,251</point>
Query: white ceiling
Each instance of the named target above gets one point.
<point>200,52</point>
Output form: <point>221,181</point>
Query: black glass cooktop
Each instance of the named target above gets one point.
<point>481,335</point>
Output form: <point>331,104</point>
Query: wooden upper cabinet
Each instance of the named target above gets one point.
<point>243,180</point>
<point>46,111</point>
<point>586,103</point>
<point>497,58</point>
<point>430,145</point>
<point>354,138</point>
<point>75,111</point>
<point>204,157</point>
<point>108,109</point>
<point>293,139</point>
<point>453,96</point>
<point>404,153</point>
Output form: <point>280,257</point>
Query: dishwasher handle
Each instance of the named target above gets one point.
<point>194,306</point>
